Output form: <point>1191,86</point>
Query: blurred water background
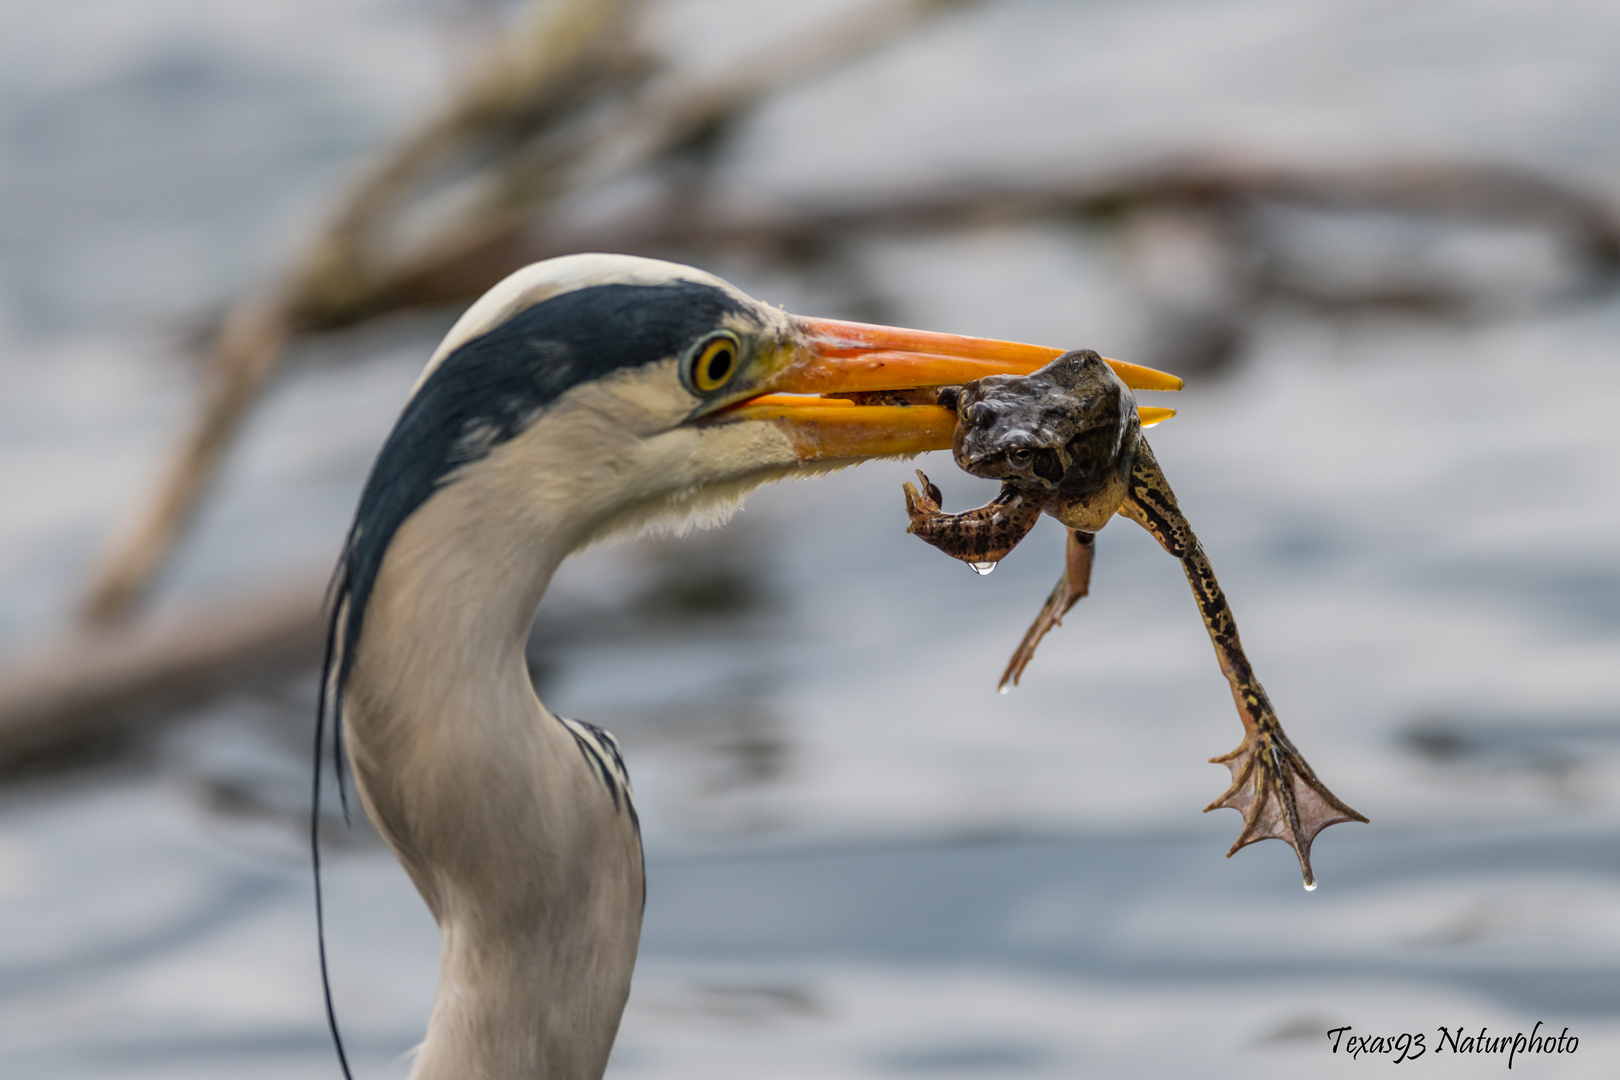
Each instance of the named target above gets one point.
<point>863,862</point>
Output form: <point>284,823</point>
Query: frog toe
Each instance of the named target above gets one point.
<point>923,504</point>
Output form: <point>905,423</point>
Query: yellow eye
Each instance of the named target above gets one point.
<point>714,363</point>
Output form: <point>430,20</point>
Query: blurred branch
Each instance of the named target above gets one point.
<point>93,684</point>
<point>1484,192</point>
<point>246,351</point>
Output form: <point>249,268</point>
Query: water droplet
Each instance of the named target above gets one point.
<point>1004,688</point>
<point>982,568</point>
<point>1310,885</point>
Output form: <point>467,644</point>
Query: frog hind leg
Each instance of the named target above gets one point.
<point>1073,584</point>
<point>979,537</point>
<point>1273,787</point>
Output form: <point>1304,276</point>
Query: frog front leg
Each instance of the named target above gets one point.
<point>1072,585</point>
<point>982,537</point>
<point>1273,787</point>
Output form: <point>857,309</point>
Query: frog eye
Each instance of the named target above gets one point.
<point>1021,456</point>
<point>713,361</point>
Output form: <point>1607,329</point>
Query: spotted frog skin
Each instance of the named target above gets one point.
<point>1066,441</point>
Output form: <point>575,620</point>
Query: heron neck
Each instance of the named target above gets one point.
<point>531,870</point>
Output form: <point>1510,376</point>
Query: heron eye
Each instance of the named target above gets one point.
<point>714,364</point>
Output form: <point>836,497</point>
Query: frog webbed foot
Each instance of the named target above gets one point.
<point>1278,794</point>
<point>980,537</point>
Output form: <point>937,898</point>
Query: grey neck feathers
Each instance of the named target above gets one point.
<point>533,872</point>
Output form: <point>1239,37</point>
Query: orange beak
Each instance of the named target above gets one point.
<point>837,357</point>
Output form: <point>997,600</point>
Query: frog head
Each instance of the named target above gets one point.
<point>1069,427</point>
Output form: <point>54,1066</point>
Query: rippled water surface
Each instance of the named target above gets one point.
<point>863,862</point>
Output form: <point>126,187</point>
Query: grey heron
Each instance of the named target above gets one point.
<point>581,397</point>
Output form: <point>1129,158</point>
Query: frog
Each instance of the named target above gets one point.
<point>1066,441</point>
